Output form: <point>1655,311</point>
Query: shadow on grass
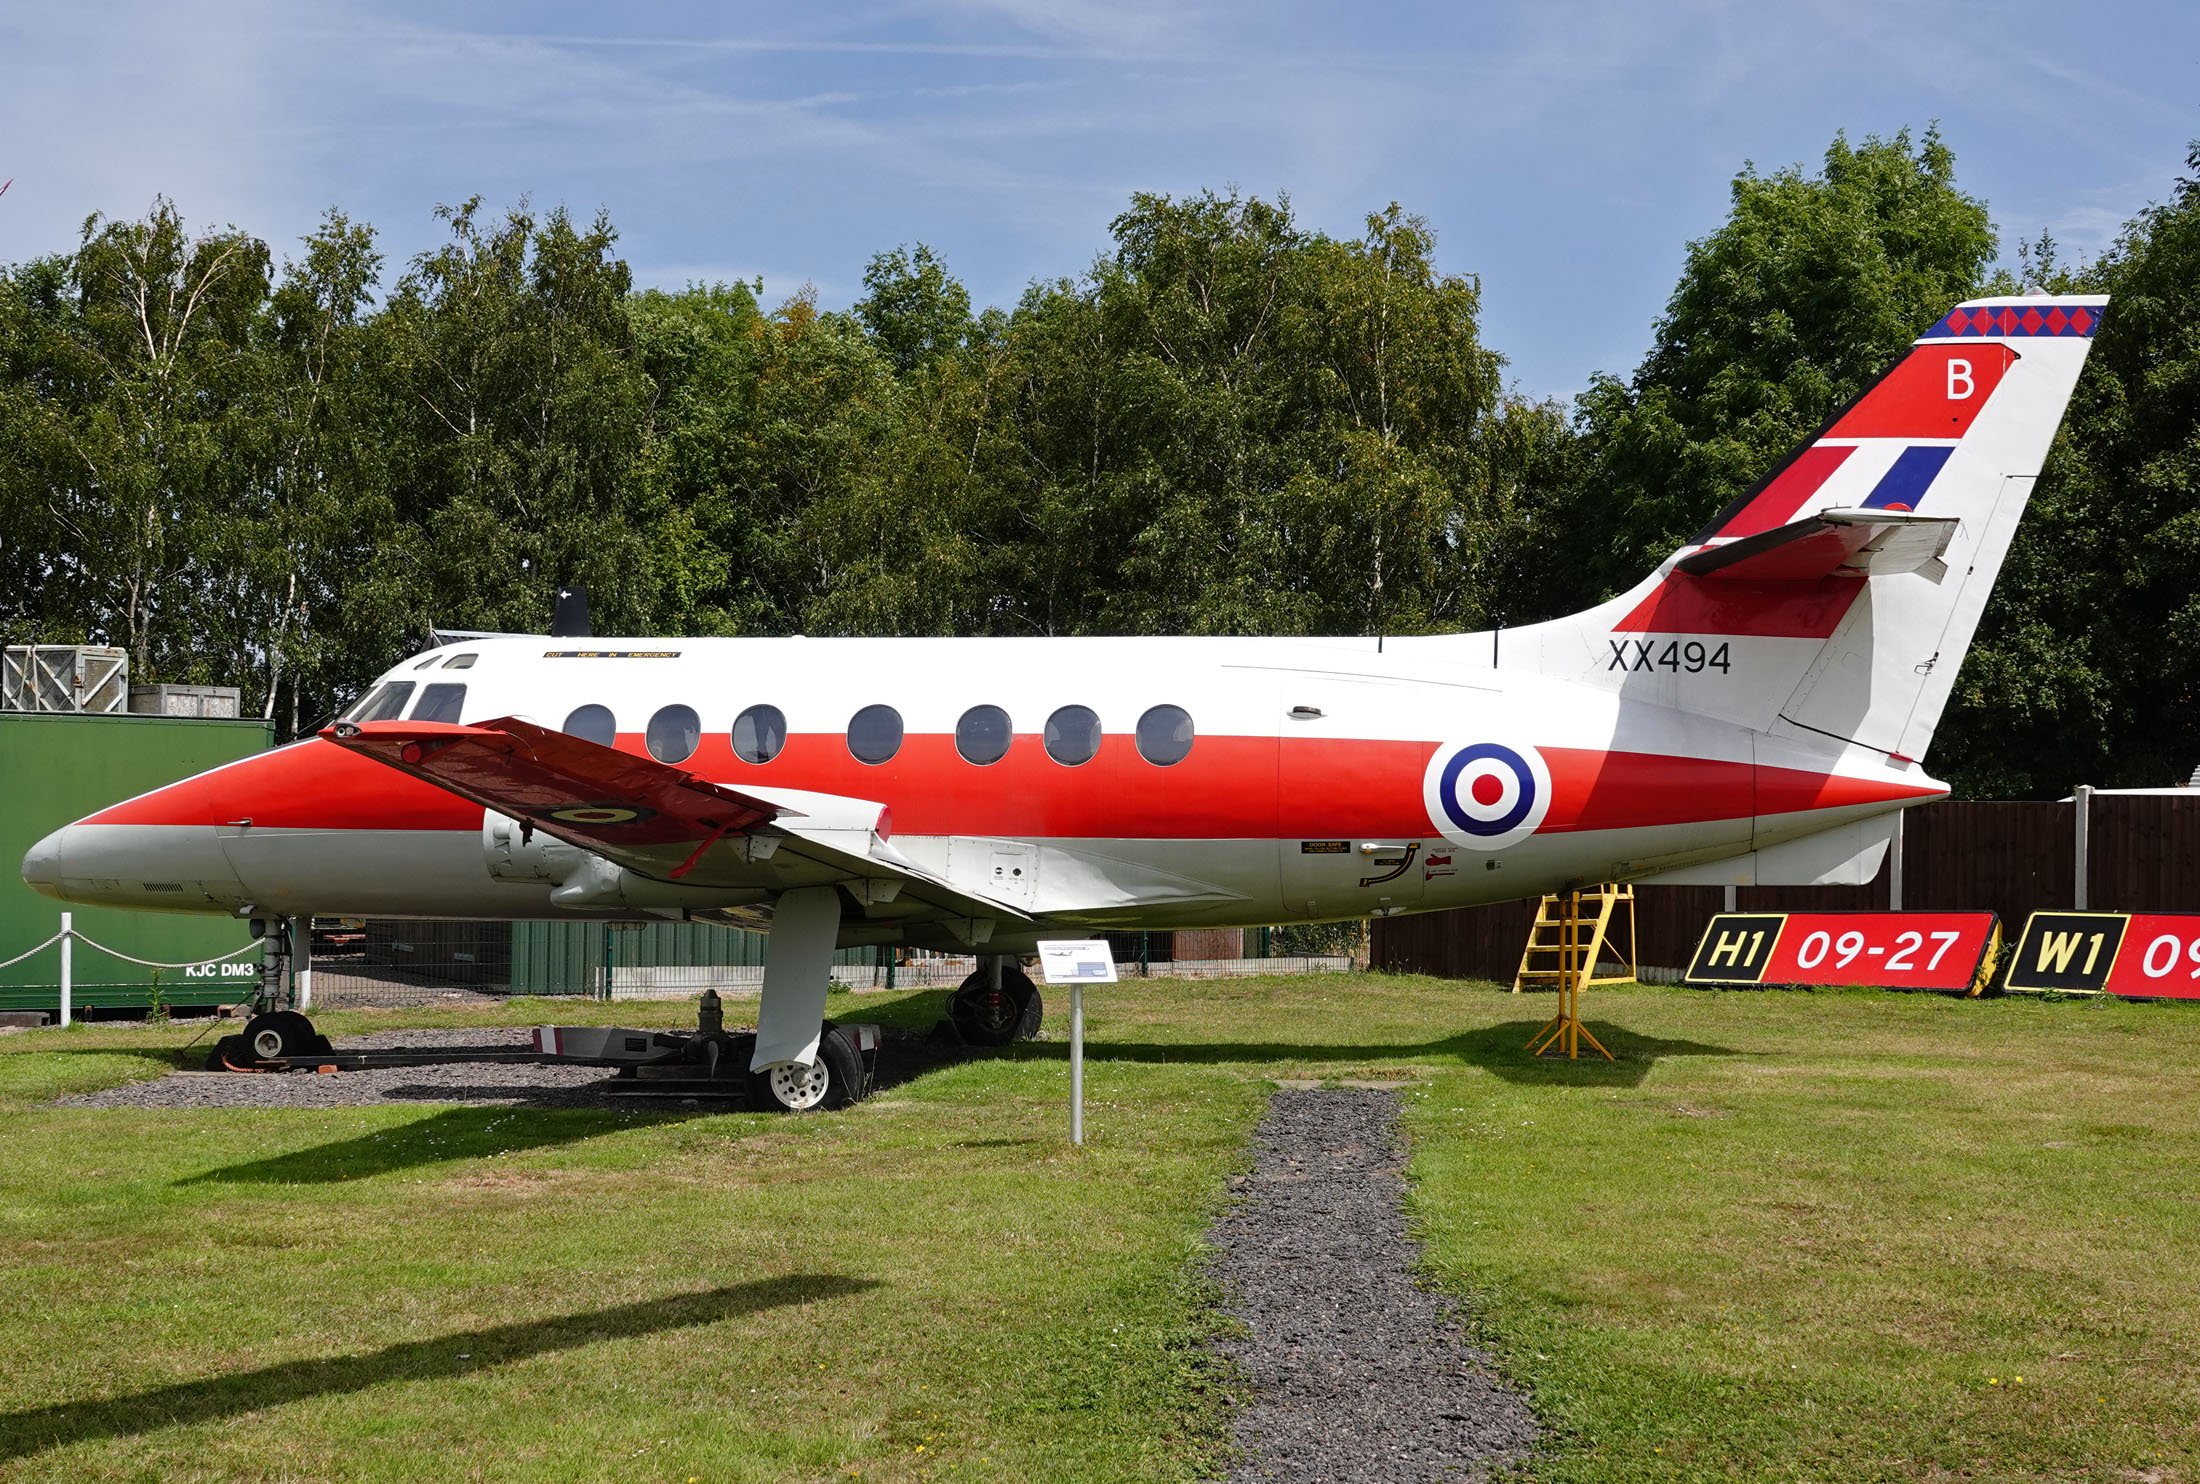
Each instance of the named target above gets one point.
<point>453,1134</point>
<point>1501,1050</point>
<point>217,1397</point>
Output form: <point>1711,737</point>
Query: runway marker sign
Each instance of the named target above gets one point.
<point>2139,955</point>
<point>1951,951</point>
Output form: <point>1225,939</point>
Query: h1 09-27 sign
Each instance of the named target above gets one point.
<point>1893,950</point>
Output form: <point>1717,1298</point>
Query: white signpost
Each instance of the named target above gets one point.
<point>1077,962</point>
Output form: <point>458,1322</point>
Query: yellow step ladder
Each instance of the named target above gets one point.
<point>1568,940</point>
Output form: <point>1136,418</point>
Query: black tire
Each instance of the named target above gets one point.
<point>282,1035</point>
<point>984,1017</point>
<point>834,1080</point>
<point>230,1054</point>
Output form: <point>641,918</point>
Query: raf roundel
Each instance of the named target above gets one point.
<point>1486,795</point>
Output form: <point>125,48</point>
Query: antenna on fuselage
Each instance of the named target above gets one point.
<point>571,618</point>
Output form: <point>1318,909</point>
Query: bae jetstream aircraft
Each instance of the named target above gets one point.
<point>1755,711</point>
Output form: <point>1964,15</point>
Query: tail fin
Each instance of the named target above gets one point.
<point>1837,597</point>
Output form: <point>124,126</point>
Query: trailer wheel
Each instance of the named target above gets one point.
<point>282,1034</point>
<point>984,1016</point>
<point>834,1080</point>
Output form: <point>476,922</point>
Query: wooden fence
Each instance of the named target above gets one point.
<point>2143,854</point>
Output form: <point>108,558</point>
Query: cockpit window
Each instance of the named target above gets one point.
<point>430,660</point>
<point>440,703</point>
<point>385,704</point>
<point>459,662</point>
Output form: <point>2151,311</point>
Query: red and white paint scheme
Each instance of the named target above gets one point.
<point>1755,711</point>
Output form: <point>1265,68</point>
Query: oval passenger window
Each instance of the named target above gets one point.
<point>982,735</point>
<point>1165,735</point>
<point>759,733</point>
<point>1073,735</point>
<point>673,733</point>
<point>592,724</point>
<point>874,734</point>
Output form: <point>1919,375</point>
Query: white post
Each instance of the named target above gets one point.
<point>1894,865</point>
<point>2084,799</point>
<point>301,963</point>
<point>1731,892</point>
<point>1077,1064</point>
<point>68,961</point>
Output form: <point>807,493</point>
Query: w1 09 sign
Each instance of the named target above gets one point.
<point>1893,950</point>
<point>2147,955</point>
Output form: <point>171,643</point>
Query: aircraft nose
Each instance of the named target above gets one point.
<point>42,863</point>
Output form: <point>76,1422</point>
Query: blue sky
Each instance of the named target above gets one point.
<point>1564,150</point>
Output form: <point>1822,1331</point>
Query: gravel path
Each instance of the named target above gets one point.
<point>511,1084</point>
<point>1356,1371</point>
<point>466,1082</point>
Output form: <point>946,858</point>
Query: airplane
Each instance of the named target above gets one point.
<point>1755,711</point>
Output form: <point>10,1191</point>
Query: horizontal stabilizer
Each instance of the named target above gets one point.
<point>1873,543</point>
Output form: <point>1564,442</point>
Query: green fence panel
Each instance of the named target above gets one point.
<point>54,770</point>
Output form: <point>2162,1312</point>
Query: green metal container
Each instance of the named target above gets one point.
<point>54,770</point>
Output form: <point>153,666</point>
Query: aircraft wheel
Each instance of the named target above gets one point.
<point>985,1016</point>
<point>834,1080</point>
<point>282,1035</point>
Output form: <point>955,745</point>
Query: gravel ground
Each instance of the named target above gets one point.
<point>464,1082</point>
<point>513,1084</point>
<point>1356,1371</point>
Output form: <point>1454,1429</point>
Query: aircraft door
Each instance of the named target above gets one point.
<point>1354,838</point>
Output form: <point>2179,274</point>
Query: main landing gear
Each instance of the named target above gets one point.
<point>996,1005</point>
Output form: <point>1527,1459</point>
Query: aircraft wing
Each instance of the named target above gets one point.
<point>660,821</point>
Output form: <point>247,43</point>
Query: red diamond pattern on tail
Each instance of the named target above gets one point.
<point>2056,319</point>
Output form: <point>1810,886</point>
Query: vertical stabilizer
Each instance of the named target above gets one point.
<point>1859,566</point>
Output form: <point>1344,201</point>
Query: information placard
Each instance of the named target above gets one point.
<point>1892,950</point>
<point>1077,961</point>
<point>2140,955</point>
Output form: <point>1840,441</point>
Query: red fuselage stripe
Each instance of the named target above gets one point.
<point>1229,788</point>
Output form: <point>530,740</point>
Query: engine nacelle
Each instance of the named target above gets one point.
<point>583,881</point>
<point>520,855</point>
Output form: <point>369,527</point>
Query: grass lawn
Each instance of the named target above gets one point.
<point>1788,1236</point>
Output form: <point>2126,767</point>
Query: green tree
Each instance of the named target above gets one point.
<point>916,311</point>
<point>517,406</point>
<point>133,368</point>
